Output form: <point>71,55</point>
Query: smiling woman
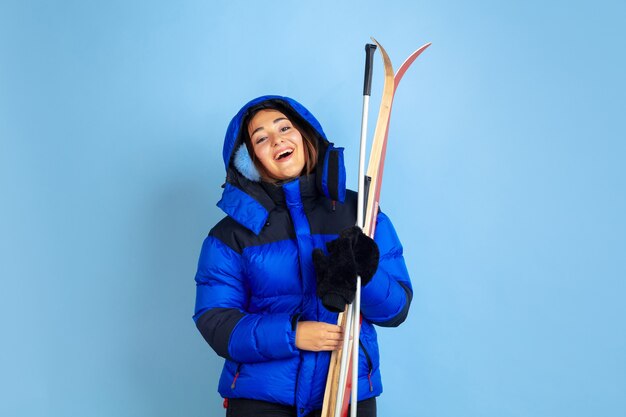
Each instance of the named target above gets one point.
<point>276,144</point>
<point>280,147</point>
<point>274,273</point>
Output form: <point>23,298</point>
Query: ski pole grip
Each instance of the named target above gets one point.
<point>369,59</point>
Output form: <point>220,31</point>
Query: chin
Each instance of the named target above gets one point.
<point>289,173</point>
<point>285,176</point>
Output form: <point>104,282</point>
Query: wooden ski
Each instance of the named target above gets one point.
<point>334,386</point>
<point>379,144</point>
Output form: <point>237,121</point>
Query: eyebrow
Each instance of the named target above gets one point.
<point>261,127</point>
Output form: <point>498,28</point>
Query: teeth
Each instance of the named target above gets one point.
<point>283,154</point>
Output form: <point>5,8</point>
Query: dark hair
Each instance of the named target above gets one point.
<point>309,137</point>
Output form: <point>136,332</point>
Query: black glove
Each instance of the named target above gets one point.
<point>351,254</point>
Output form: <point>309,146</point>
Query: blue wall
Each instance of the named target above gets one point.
<point>505,179</point>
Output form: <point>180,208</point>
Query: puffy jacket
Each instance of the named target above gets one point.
<point>256,279</point>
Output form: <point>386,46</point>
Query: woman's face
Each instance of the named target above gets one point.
<point>277,144</point>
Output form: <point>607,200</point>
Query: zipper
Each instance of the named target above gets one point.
<point>295,390</point>
<point>369,365</point>
<point>232,386</point>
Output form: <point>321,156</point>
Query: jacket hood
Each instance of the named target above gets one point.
<point>232,140</point>
<point>243,198</point>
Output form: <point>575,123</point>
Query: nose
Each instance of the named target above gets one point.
<point>276,140</point>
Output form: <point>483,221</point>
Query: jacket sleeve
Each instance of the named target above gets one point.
<point>385,300</point>
<point>220,313</point>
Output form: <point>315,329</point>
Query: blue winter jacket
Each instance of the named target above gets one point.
<point>256,279</point>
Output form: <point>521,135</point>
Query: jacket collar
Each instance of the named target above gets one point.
<point>279,193</point>
<point>252,207</point>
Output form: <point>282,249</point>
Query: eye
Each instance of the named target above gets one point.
<point>260,139</point>
<point>285,128</point>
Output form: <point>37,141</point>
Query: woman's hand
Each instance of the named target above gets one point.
<point>317,336</point>
<point>352,253</point>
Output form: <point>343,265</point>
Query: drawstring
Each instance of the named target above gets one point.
<point>236,376</point>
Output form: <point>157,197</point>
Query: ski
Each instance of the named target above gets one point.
<point>339,378</point>
<point>379,144</point>
<point>337,393</point>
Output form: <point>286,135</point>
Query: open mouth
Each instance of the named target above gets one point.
<point>284,154</point>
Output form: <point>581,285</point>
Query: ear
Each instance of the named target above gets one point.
<point>244,164</point>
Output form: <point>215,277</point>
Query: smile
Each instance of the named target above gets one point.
<point>285,153</point>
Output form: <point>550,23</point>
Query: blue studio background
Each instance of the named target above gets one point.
<point>505,180</point>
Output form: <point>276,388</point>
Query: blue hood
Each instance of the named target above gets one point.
<point>232,139</point>
<point>243,198</point>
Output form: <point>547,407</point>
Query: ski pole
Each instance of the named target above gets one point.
<point>356,316</point>
<point>367,88</point>
<point>353,319</point>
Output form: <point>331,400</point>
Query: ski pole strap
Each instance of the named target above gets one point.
<point>369,57</point>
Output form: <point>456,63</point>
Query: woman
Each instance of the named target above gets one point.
<point>257,301</point>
